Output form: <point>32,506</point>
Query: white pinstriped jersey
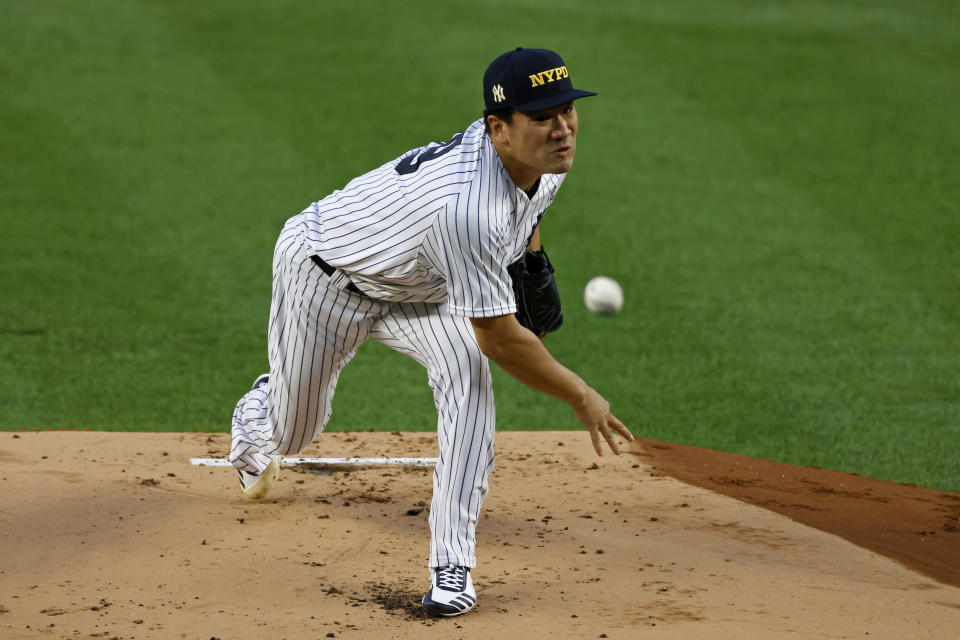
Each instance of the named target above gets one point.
<point>440,223</point>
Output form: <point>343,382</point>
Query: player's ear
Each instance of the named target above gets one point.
<point>498,129</point>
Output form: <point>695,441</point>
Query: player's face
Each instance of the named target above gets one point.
<point>547,140</point>
<point>539,142</point>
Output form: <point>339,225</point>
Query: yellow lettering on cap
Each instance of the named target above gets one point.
<point>558,73</point>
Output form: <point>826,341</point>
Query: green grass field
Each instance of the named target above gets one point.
<point>775,184</point>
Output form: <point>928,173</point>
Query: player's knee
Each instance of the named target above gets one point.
<point>476,365</point>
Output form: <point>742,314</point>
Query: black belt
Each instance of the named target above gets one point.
<point>327,269</point>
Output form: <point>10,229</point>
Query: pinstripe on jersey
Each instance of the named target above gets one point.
<point>445,231</point>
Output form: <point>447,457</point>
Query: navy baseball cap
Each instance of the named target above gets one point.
<point>528,80</point>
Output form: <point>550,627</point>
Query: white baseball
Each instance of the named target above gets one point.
<point>603,295</point>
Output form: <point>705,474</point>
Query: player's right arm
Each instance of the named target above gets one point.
<point>522,355</point>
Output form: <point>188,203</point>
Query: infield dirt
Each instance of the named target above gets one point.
<point>110,535</point>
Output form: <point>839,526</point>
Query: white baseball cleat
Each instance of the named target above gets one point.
<point>451,593</point>
<point>255,486</point>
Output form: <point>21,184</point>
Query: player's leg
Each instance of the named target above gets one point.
<point>315,329</point>
<point>460,377</point>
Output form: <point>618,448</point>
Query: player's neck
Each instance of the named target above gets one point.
<point>532,191</point>
<point>525,181</point>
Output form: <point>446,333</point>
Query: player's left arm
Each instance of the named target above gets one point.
<point>535,289</point>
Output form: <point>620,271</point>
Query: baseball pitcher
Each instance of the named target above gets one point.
<point>437,255</point>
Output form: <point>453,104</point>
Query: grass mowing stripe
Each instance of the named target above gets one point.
<point>140,222</point>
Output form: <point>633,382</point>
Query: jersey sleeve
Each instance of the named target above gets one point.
<point>476,254</point>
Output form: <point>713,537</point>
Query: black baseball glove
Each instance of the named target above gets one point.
<point>535,289</point>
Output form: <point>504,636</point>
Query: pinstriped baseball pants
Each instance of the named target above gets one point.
<point>315,329</point>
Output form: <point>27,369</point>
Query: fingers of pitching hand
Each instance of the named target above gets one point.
<point>597,442</point>
<point>621,428</point>
<point>608,434</point>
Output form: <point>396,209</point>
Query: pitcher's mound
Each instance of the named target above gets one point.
<point>116,535</point>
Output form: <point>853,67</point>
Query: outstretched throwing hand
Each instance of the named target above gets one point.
<point>594,414</point>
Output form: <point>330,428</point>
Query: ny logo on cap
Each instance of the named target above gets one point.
<point>498,95</point>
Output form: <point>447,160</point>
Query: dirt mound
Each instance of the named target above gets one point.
<point>118,535</point>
